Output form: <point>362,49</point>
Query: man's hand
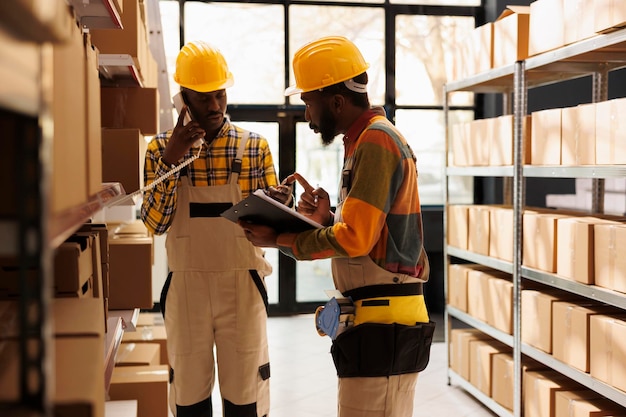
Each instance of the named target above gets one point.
<point>183,137</point>
<point>282,192</point>
<point>313,202</point>
<point>259,235</point>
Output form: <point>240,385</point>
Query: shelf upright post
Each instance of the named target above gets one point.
<point>507,182</point>
<point>446,323</point>
<point>519,109</point>
<point>33,252</point>
<point>600,93</point>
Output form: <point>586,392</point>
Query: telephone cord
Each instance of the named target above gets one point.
<point>154,183</point>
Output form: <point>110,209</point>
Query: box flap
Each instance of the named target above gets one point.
<point>512,9</point>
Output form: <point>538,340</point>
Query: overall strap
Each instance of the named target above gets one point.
<point>236,166</point>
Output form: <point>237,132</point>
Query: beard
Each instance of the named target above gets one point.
<point>327,127</point>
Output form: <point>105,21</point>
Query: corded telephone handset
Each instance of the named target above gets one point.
<point>178,103</point>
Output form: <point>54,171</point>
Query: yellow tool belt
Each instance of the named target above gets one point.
<point>408,309</point>
<point>394,303</point>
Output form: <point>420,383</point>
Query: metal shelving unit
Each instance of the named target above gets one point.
<point>32,235</point>
<point>594,57</point>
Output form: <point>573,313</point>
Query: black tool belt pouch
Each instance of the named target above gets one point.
<point>374,349</point>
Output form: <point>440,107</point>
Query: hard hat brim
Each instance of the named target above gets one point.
<point>209,87</point>
<point>294,89</point>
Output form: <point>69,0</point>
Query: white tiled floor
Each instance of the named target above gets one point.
<point>303,382</point>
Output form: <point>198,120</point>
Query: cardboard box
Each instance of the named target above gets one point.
<point>607,350</point>
<point>130,108</point>
<point>537,318</point>
<point>609,15</point>
<point>481,55</point>
<point>146,384</point>
<point>149,319</point>
<point>121,408</point>
<point>102,233</point>
<point>584,403</point>
<point>93,133</point>
<point>74,267</point>
<point>501,244</point>
<point>68,186</point>
<point>540,240</point>
<point>77,384</point>
<point>479,305</point>
<point>457,284</point>
<point>123,155</point>
<point>501,298</point>
<point>610,132</point>
<point>459,144</point>
<point>579,18</point>
<point>540,388</point>
<point>478,229</point>
<point>457,230</point>
<point>481,362</point>
<point>578,135</point>
<point>131,40</point>
<point>570,337</point>
<point>138,354</point>
<point>149,334</point>
<point>480,137</point>
<point>78,327</point>
<point>546,14</point>
<point>510,36</point>
<point>501,148</point>
<point>545,136</point>
<point>459,349</point>
<point>130,273</point>
<point>575,248</point>
<point>503,377</point>
<point>609,259</point>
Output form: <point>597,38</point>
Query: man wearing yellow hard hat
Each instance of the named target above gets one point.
<point>215,295</point>
<point>380,327</point>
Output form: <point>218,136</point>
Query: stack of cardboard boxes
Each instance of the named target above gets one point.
<point>520,32</point>
<point>583,334</point>
<point>141,369</point>
<point>98,133</point>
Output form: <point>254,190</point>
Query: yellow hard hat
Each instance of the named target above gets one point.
<point>202,67</point>
<point>326,61</point>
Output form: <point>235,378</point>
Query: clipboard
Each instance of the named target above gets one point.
<point>260,208</point>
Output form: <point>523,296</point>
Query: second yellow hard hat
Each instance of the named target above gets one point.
<point>202,67</point>
<point>326,61</point>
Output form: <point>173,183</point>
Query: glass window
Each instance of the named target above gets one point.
<point>313,278</point>
<point>321,166</point>
<point>438,2</point>
<point>270,132</point>
<point>424,130</point>
<point>171,39</point>
<point>363,25</point>
<point>425,48</point>
<point>251,37</point>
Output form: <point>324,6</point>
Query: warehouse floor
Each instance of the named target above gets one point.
<point>304,382</point>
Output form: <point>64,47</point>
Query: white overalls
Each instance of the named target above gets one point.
<point>376,396</point>
<point>215,295</point>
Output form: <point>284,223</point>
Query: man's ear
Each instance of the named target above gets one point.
<point>338,103</point>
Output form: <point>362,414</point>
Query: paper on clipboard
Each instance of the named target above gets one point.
<point>260,208</point>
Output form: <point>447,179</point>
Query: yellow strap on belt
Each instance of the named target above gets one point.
<point>408,310</point>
